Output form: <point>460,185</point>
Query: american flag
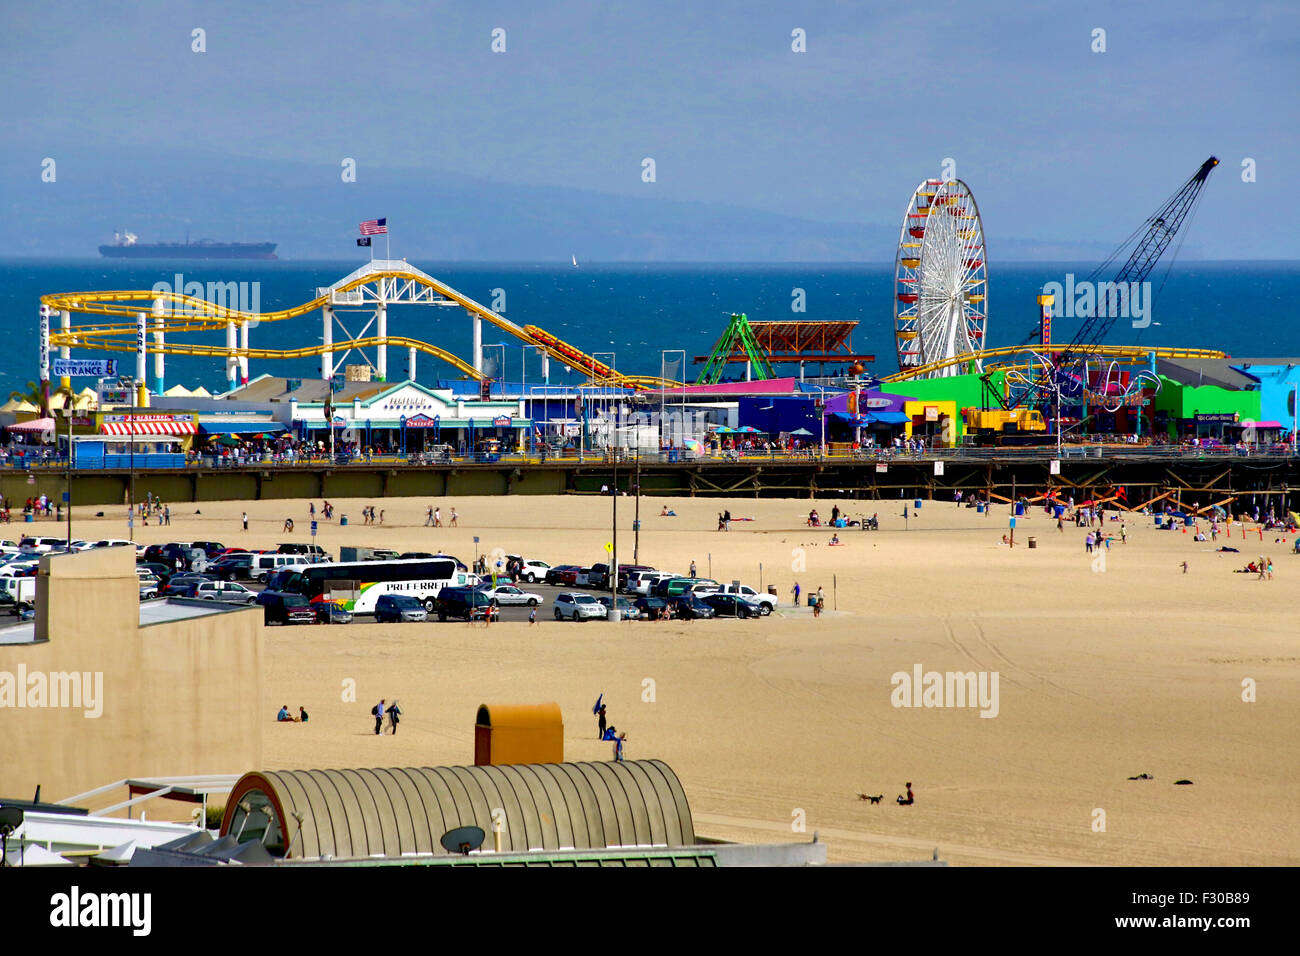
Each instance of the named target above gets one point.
<point>374,227</point>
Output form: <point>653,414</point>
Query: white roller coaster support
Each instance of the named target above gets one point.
<point>159,340</point>
<point>410,363</point>
<point>141,359</point>
<point>327,337</point>
<point>381,350</point>
<point>476,324</point>
<point>232,360</point>
<point>65,323</point>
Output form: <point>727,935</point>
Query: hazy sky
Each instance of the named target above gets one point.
<point>1057,141</point>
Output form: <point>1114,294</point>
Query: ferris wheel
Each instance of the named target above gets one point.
<point>940,278</point>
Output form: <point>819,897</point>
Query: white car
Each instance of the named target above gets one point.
<point>533,571</point>
<point>508,594</point>
<point>648,579</point>
<point>577,607</point>
<point>117,543</point>
<point>8,547</point>
<point>149,585</point>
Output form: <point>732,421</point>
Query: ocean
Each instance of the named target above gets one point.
<point>636,310</point>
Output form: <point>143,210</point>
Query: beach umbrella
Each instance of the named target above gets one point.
<point>230,440</point>
<point>802,431</point>
<point>692,444</point>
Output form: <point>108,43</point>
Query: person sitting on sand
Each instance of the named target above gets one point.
<point>284,715</point>
<point>665,513</point>
<point>909,800</point>
<point>835,539</point>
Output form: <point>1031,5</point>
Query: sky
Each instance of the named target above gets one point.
<point>1060,140</point>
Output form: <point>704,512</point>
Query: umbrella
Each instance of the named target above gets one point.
<point>691,444</point>
<point>230,440</point>
<point>751,430</point>
<point>802,431</point>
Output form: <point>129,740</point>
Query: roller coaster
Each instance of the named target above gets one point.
<point>378,284</point>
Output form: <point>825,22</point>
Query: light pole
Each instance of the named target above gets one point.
<point>501,372</point>
<point>68,411</point>
<point>608,385</point>
<point>130,517</point>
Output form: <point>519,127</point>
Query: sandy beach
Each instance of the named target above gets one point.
<point>772,724</point>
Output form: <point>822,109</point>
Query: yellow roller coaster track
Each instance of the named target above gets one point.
<point>1130,353</point>
<point>183,313</point>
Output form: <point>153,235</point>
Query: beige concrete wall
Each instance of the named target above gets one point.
<point>178,698</point>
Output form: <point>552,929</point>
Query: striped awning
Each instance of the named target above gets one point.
<point>148,428</point>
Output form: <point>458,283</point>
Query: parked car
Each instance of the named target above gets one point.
<point>596,576</point>
<point>18,592</point>
<point>509,595</point>
<point>730,605</point>
<point>675,587</point>
<point>8,547</point>
<point>161,571</point>
<point>689,607</point>
<point>649,608</point>
<point>262,566</point>
<point>282,608</point>
<point>42,545</point>
<point>226,592</point>
<point>532,571</point>
<point>294,548</point>
<point>466,603</point>
<point>577,607</point>
<point>746,593</point>
<point>399,608</point>
<point>183,585</point>
<point>210,548</point>
<point>233,567</point>
<point>149,587</point>
<point>562,575</point>
<point>644,581</point>
<point>332,612</point>
<point>628,573</point>
<point>626,611</point>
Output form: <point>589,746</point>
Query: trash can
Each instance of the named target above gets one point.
<point>27,517</point>
<point>636,525</point>
<point>1020,508</point>
<point>771,588</point>
<point>343,519</point>
<point>1160,521</point>
<point>916,505</point>
<point>812,599</point>
<point>979,509</point>
<point>1060,511</point>
<point>1033,542</point>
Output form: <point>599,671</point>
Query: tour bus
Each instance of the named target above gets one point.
<point>358,585</point>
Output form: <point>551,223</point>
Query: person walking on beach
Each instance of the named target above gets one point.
<point>618,747</point>
<point>394,717</point>
<point>437,517</point>
<point>167,514</point>
<point>600,723</point>
<point>244,518</point>
<point>1087,542</point>
<point>821,599</point>
<point>453,518</point>
<point>1123,533</point>
<point>428,517</point>
<point>378,712</point>
<point>692,568</point>
<point>532,614</point>
<point>795,591</point>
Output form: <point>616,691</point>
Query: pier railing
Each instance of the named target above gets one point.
<point>838,454</point>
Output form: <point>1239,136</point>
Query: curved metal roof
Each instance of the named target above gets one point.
<point>392,811</point>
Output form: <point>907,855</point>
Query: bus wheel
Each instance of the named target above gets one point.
<point>428,605</point>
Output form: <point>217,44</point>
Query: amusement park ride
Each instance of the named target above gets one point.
<point>369,290</point>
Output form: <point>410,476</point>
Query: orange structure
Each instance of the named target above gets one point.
<point>529,733</point>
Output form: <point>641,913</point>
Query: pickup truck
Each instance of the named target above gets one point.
<point>766,601</point>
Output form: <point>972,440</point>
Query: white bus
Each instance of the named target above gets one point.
<point>357,585</point>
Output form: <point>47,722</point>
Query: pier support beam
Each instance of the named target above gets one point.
<point>159,367</point>
<point>476,325</point>
<point>65,352</point>
<point>232,360</point>
<point>327,337</point>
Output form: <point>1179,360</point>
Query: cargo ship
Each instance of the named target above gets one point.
<point>126,246</point>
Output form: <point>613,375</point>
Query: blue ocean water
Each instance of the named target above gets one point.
<point>637,310</point>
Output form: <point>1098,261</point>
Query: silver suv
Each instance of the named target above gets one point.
<point>577,607</point>
<point>227,592</point>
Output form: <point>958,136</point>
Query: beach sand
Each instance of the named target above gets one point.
<point>779,723</point>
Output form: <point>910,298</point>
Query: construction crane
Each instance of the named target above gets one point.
<point>1152,238</point>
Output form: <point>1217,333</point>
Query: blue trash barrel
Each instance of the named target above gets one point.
<point>1020,507</point>
<point>916,505</point>
<point>1060,511</point>
<point>27,517</point>
<point>1188,521</point>
<point>1160,521</point>
<point>343,519</point>
<point>979,509</point>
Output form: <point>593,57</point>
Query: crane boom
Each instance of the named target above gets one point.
<point>1156,233</point>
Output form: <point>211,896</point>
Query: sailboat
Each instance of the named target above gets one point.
<point>575,261</point>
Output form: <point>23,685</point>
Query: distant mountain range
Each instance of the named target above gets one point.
<point>432,215</point>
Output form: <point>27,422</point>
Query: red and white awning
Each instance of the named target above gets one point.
<point>148,428</point>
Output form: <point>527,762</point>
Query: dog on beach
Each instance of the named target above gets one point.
<point>874,799</point>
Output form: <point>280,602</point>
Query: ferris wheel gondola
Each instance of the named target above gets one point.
<point>940,277</point>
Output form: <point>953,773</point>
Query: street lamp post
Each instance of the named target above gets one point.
<point>68,411</point>
<point>663,376</point>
